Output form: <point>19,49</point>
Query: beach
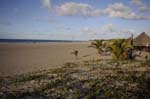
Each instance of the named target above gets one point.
<point>23,58</point>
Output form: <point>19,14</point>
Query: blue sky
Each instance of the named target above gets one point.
<point>73,19</point>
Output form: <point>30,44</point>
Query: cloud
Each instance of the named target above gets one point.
<point>107,31</point>
<point>116,10</point>
<point>71,9</point>
<point>110,28</point>
<point>143,8</point>
<point>119,10</point>
<point>113,31</point>
<point>89,31</point>
<point>47,4</point>
<point>137,2</point>
<point>141,5</point>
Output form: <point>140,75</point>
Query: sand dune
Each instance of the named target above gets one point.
<point>20,58</point>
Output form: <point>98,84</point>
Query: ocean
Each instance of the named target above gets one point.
<point>32,41</point>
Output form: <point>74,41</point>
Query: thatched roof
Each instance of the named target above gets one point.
<point>142,40</point>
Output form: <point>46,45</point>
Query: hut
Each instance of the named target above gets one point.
<point>142,42</point>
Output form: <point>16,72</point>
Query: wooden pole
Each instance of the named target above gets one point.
<point>132,45</point>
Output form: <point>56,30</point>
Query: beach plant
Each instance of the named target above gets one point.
<point>103,82</point>
<point>98,44</point>
<point>24,78</point>
<point>119,49</point>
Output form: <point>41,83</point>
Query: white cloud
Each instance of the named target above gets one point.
<point>107,31</point>
<point>143,8</point>
<point>71,8</point>
<point>137,2</point>
<point>87,30</point>
<point>110,28</point>
<point>90,32</point>
<point>113,31</point>
<point>141,5</point>
<point>117,10</point>
<point>47,4</point>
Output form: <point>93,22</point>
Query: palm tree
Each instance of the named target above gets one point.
<point>98,44</point>
<point>119,49</point>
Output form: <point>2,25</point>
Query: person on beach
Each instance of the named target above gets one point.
<point>146,57</point>
<point>75,52</point>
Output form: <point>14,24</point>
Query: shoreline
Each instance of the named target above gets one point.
<point>35,41</point>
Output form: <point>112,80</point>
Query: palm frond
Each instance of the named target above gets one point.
<point>118,48</point>
<point>98,44</point>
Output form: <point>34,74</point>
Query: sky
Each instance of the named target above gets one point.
<point>73,19</point>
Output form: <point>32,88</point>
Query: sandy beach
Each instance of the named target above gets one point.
<point>22,58</point>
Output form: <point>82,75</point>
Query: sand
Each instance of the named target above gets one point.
<point>22,58</point>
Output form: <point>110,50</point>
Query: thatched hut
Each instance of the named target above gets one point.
<point>142,42</point>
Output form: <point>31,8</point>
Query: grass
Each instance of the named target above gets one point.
<point>24,78</point>
<point>99,79</point>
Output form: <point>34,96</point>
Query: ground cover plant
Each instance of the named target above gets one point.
<point>94,79</point>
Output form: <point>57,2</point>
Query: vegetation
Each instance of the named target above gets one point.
<point>107,79</point>
<point>119,49</point>
<point>98,44</point>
